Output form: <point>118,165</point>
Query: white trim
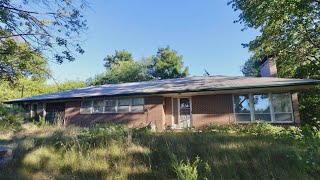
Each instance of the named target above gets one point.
<point>271,107</point>
<point>117,105</point>
<point>172,120</point>
<point>44,112</point>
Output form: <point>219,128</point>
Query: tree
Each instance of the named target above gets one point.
<point>121,68</point>
<point>50,29</point>
<point>290,31</point>
<point>16,65</point>
<point>167,64</point>
<point>127,71</point>
<point>119,56</point>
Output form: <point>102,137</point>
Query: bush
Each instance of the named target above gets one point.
<point>11,117</point>
<point>101,134</point>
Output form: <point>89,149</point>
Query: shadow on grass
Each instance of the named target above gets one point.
<point>227,157</point>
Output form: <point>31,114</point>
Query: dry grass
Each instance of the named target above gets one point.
<point>61,153</point>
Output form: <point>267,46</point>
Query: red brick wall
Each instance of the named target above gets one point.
<point>208,109</point>
<point>295,107</point>
<point>153,114</point>
<point>168,111</point>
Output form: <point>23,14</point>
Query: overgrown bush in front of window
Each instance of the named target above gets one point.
<point>101,134</point>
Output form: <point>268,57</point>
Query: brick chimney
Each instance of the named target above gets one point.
<point>268,67</point>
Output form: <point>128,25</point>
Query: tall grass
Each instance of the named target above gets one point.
<point>114,152</point>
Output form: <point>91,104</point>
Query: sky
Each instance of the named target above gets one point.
<point>202,32</point>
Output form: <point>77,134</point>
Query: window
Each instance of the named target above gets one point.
<point>137,105</point>
<point>124,105</point>
<point>282,107</point>
<point>110,106</point>
<point>242,108</point>
<point>98,106</point>
<point>86,107</point>
<point>269,107</point>
<point>261,105</point>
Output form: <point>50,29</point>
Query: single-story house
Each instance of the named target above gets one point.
<point>179,103</point>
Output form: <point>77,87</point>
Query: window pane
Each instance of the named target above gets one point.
<point>123,108</point>
<point>124,102</point>
<point>110,109</point>
<point>86,103</point>
<point>242,103</point>
<point>261,103</point>
<point>98,109</point>
<point>98,103</point>
<point>281,102</point>
<point>85,110</point>
<point>110,102</point>
<point>243,117</point>
<point>283,117</point>
<point>137,101</point>
<point>262,117</point>
<point>137,108</point>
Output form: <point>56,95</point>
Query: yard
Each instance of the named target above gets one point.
<point>113,152</point>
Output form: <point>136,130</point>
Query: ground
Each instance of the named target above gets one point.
<point>115,152</point>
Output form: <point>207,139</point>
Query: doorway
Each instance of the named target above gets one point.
<point>181,110</point>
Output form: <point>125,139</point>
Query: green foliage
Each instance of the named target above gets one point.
<point>168,64</point>
<point>17,64</point>
<point>11,118</point>
<point>127,71</point>
<point>119,56</point>
<point>222,152</point>
<point>51,28</point>
<point>100,135</point>
<point>290,30</point>
<point>33,87</point>
<point>186,170</point>
<point>122,68</point>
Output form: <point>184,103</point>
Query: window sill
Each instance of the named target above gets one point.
<point>275,122</point>
<point>100,113</point>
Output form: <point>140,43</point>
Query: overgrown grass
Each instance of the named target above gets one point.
<point>113,152</point>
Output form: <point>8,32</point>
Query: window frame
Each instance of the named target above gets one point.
<point>272,113</point>
<point>91,106</point>
<point>116,106</point>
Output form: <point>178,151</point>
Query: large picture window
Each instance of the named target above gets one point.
<point>268,107</point>
<point>112,105</point>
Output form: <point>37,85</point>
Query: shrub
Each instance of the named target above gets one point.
<point>101,134</point>
<point>11,117</point>
<point>186,170</point>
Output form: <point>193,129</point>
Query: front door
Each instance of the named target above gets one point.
<point>184,113</point>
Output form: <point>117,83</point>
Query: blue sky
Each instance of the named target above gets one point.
<point>202,31</point>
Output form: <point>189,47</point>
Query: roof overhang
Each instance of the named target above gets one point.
<point>228,90</point>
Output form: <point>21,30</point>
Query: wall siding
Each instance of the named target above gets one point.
<point>153,114</point>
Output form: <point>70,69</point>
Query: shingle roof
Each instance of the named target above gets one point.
<point>189,84</point>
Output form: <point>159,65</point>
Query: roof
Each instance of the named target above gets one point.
<point>178,85</point>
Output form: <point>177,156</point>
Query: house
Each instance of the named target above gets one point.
<point>179,103</point>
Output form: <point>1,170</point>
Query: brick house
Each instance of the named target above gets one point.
<point>179,103</point>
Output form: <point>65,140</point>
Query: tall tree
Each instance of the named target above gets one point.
<point>289,30</point>
<point>48,28</point>
<point>167,64</point>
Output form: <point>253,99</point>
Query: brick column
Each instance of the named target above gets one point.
<point>295,106</point>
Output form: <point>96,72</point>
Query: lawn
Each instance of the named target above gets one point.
<point>115,152</point>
